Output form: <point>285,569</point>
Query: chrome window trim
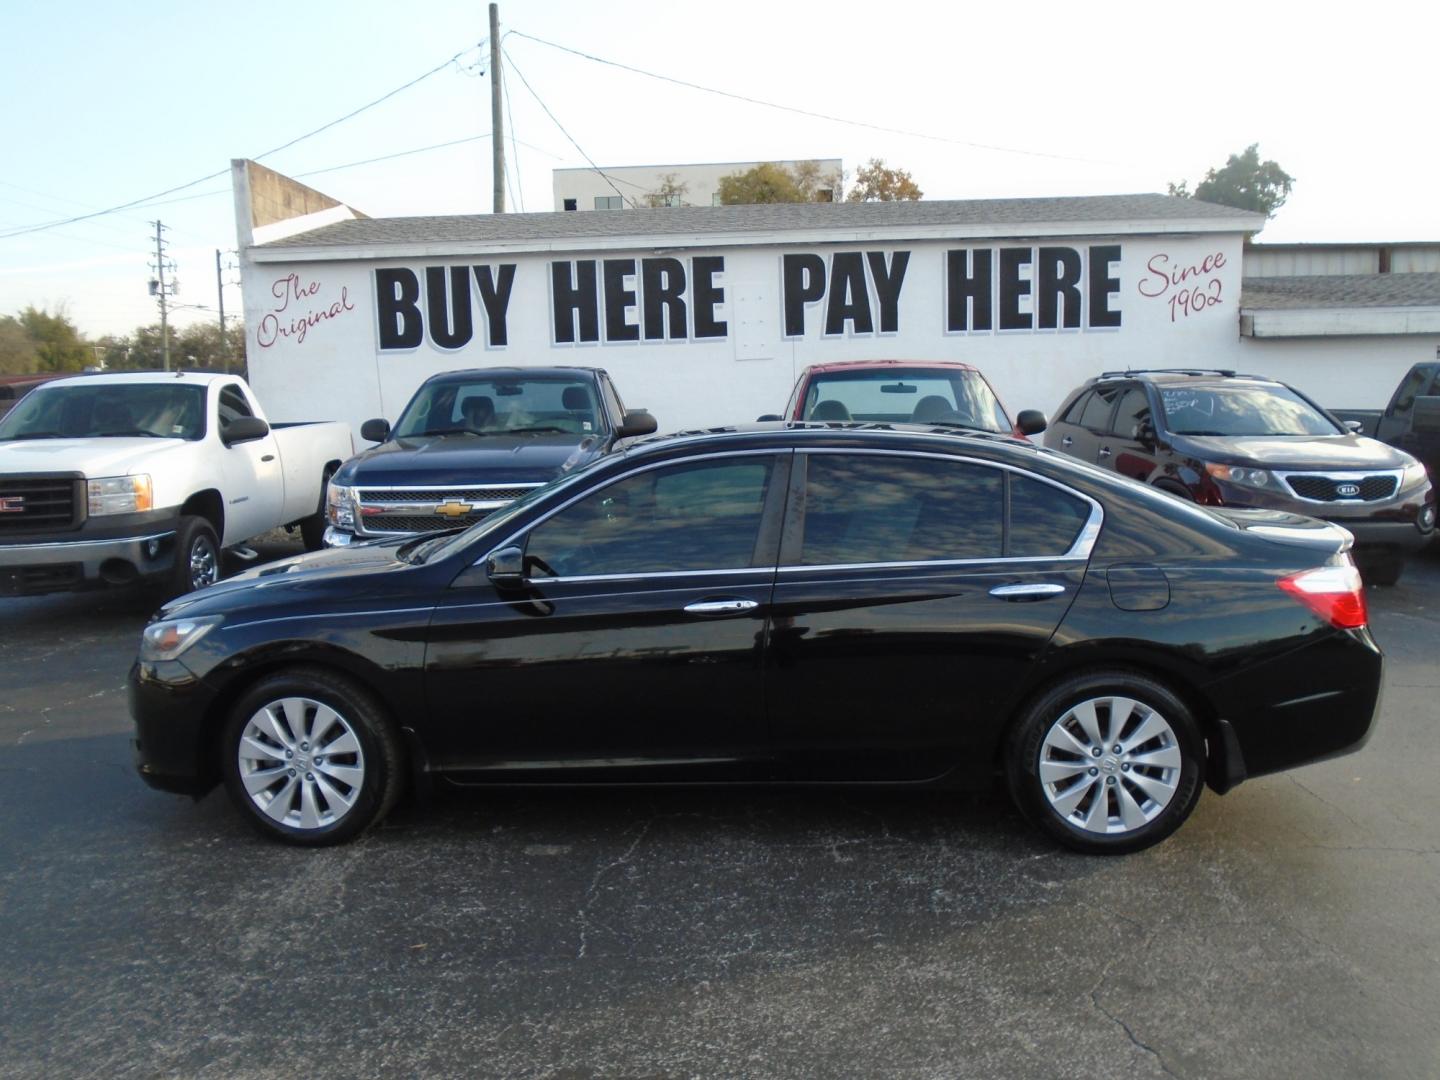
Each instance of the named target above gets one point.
<point>1079,551</point>
<point>1340,476</point>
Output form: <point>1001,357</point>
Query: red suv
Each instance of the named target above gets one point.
<point>940,392</point>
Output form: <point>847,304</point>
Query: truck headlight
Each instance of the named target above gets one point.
<point>340,506</point>
<point>120,495</point>
<point>167,640</point>
<point>1414,474</point>
<point>1245,477</point>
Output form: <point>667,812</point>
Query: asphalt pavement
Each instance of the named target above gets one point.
<point>1290,929</point>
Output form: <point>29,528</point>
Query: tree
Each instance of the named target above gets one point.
<point>1245,182</point>
<point>17,351</point>
<point>875,182</point>
<point>771,182</point>
<point>57,342</point>
<point>671,192</point>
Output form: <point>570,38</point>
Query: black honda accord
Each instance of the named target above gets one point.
<point>788,603</point>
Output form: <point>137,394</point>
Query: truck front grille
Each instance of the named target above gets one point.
<point>30,504</point>
<point>1365,487</point>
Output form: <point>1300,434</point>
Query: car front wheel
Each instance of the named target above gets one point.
<point>310,758</point>
<point>1106,762</point>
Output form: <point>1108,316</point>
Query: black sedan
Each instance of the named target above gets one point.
<point>789,603</point>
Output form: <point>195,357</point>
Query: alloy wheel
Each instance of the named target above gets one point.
<point>301,763</point>
<point>1110,765</point>
<point>204,563</point>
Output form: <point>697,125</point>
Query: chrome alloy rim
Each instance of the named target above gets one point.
<point>1110,765</point>
<point>301,763</point>
<point>203,563</point>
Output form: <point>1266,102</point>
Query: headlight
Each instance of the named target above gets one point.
<point>167,640</point>
<point>340,506</point>
<point>1239,474</point>
<point>1414,474</point>
<point>120,495</point>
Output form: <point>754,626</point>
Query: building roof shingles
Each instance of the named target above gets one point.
<point>709,220</point>
<point>1313,292</point>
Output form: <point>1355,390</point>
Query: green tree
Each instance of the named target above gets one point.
<point>767,182</point>
<point>1245,182</point>
<point>815,184</point>
<point>58,344</point>
<point>17,351</point>
<point>671,192</point>
<point>875,182</point>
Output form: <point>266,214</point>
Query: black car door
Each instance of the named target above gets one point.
<point>907,606</point>
<point>634,650</point>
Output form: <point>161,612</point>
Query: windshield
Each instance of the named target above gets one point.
<point>498,405</point>
<point>1241,410</point>
<point>898,396</point>
<point>83,411</point>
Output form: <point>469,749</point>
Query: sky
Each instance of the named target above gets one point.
<point>110,103</point>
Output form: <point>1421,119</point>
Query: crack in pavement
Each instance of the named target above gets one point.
<point>1129,1033</point>
<point>583,914</point>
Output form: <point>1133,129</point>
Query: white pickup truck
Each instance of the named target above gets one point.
<point>148,477</point>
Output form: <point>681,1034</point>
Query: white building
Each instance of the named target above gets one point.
<point>630,186</point>
<point>706,315</point>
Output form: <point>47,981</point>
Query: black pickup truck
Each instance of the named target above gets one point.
<point>469,442</point>
<point>1411,421</point>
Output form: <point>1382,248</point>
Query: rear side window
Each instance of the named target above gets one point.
<point>1043,519</point>
<point>1096,416</point>
<point>1077,409</point>
<point>878,509</point>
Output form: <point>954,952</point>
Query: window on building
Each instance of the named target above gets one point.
<point>609,202</point>
<point>715,200</point>
<point>572,204</point>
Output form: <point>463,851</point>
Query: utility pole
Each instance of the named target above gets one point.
<point>497,123</point>
<point>220,293</point>
<point>161,289</point>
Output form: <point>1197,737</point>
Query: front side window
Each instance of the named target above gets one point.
<point>1134,410</point>
<point>232,406</point>
<point>503,405</point>
<point>882,509</point>
<point>900,396</point>
<point>1241,410</point>
<point>691,516</point>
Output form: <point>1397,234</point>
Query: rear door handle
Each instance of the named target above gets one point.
<point>721,607</point>
<point>1037,591</point>
<point>268,457</point>
<point>1066,441</point>
<point>1104,451</point>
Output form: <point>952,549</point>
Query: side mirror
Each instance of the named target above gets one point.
<point>637,422</point>
<point>768,417</point>
<point>506,567</point>
<point>1031,422</point>
<point>375,430</point>
<point>1355,427</point>
<point>244,429</point>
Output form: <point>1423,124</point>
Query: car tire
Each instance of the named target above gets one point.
<point>312,528</point>
<point>310,757</point>
<point>198,560</point>
<point>1179,491</point>
<point>1107,802</point>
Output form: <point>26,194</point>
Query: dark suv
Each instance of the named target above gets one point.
<point>1223,439</point>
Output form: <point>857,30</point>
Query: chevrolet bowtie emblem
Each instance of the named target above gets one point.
<point>454,508</point>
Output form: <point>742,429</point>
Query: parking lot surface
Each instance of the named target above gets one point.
<point>1291,928</point>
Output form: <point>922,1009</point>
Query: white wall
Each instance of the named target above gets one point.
<point>1339,372</point>
<point>338,370</point>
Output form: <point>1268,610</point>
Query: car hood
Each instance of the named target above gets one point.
<point>100,456</point>
<point>1348,452</point>
<point>359,569</point>
<point>461,459</point>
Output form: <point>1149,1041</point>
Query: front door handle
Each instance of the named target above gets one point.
<point>721,607</point>
<point>1104,451</point>
<point>1066,441</point>
<point>268,457</point>
<point>1037,591</point>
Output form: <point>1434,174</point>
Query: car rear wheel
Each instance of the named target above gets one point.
<point>310,758</point>
<point>1106,762</point>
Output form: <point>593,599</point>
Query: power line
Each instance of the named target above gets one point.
<point>799,111</point>
<point>222,172</point>
<point>598,171</point>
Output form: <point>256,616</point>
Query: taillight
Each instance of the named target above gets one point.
<point>1335,593</point>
